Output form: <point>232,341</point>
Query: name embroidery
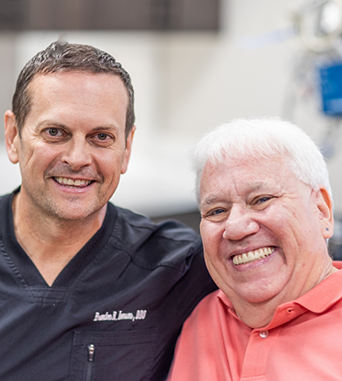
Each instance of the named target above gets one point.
<point>116,316</point>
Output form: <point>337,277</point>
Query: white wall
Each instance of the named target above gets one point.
<point>186,83</point>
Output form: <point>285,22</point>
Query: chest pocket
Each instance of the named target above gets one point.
<point>111,356</point>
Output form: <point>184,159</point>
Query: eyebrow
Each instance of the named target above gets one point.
<point>256,187</point>
<point>48,122</point>
<point>106,128</point>
<point>211,199</point>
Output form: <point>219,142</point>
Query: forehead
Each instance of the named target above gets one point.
<point>78,84</point>
<point>244,174</point>
<point>74,94</point>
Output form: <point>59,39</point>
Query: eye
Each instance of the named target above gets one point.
<point>53,131</point>
<point>261,202</point>
<point>54,134</point>
<point>263,199</point>
<point>102,136</point>
<point>216,212</point>
<point>216,215</point>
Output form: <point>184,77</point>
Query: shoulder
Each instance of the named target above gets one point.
<point>205,311</point>
<point>168,243</point>
<point>199,340</point>
<point>6,204</point>
<point>6,197</point>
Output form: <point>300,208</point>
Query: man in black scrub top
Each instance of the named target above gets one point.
<point>88,291</point>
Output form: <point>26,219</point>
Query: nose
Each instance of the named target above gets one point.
<point>77,154</point>
<point>240,223</point>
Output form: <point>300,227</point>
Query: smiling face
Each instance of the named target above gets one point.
<point>72,148</point>
<point>263,230</point>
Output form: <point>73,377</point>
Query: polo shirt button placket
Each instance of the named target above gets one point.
<point>263,334</point>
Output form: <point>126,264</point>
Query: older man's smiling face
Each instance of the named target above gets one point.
<point>263,230</point>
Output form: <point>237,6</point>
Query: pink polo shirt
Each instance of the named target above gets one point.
<point>303,342</point>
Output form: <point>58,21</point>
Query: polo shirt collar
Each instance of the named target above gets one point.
<point>317,300</point>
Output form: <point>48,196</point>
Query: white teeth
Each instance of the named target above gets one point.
<point>252,255</point>
<point>70,182</point>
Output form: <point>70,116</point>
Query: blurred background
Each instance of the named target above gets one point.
<point>195,64</point>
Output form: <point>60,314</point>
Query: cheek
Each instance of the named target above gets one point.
<point>109,162</point>
<point>206,234</point>
<point>217,270</point>
<point>37,156</point>
<point>212,238</point>
<point>282,223</point>
<point>209,265</point>
<point>110,170</point>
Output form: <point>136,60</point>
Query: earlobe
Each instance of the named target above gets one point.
<point>11,137</point>
<point>128,150</point>
<point>324,204</point>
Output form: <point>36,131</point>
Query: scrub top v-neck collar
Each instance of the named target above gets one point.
<point>71,271</point>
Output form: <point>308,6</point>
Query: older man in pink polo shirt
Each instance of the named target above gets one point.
<point>266,207</point>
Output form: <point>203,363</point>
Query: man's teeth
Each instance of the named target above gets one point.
<point>252,255</point>
<point>76,183</point>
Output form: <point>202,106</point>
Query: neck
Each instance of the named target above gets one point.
<point>56,241</point>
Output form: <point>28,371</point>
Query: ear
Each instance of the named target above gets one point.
<point>11,137</point>
<point>326,219</point>
<point>127,154</point>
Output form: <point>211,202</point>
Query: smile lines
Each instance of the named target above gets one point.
<point>71,182</point>
<point>252,255</point>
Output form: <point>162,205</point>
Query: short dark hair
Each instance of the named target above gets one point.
<point>60,56</point>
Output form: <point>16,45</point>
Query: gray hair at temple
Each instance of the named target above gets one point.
<point>263,138</point>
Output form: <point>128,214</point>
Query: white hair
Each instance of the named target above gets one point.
<point>267,137</point>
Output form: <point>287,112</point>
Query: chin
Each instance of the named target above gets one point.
<point>74,213</point>
<point>259,297</point>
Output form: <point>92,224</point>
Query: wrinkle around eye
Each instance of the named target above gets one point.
<point>102,138</point>
<point>54,133</point>
<point>261,202</point>
<point>263,199</point>
<point>216,215</point>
